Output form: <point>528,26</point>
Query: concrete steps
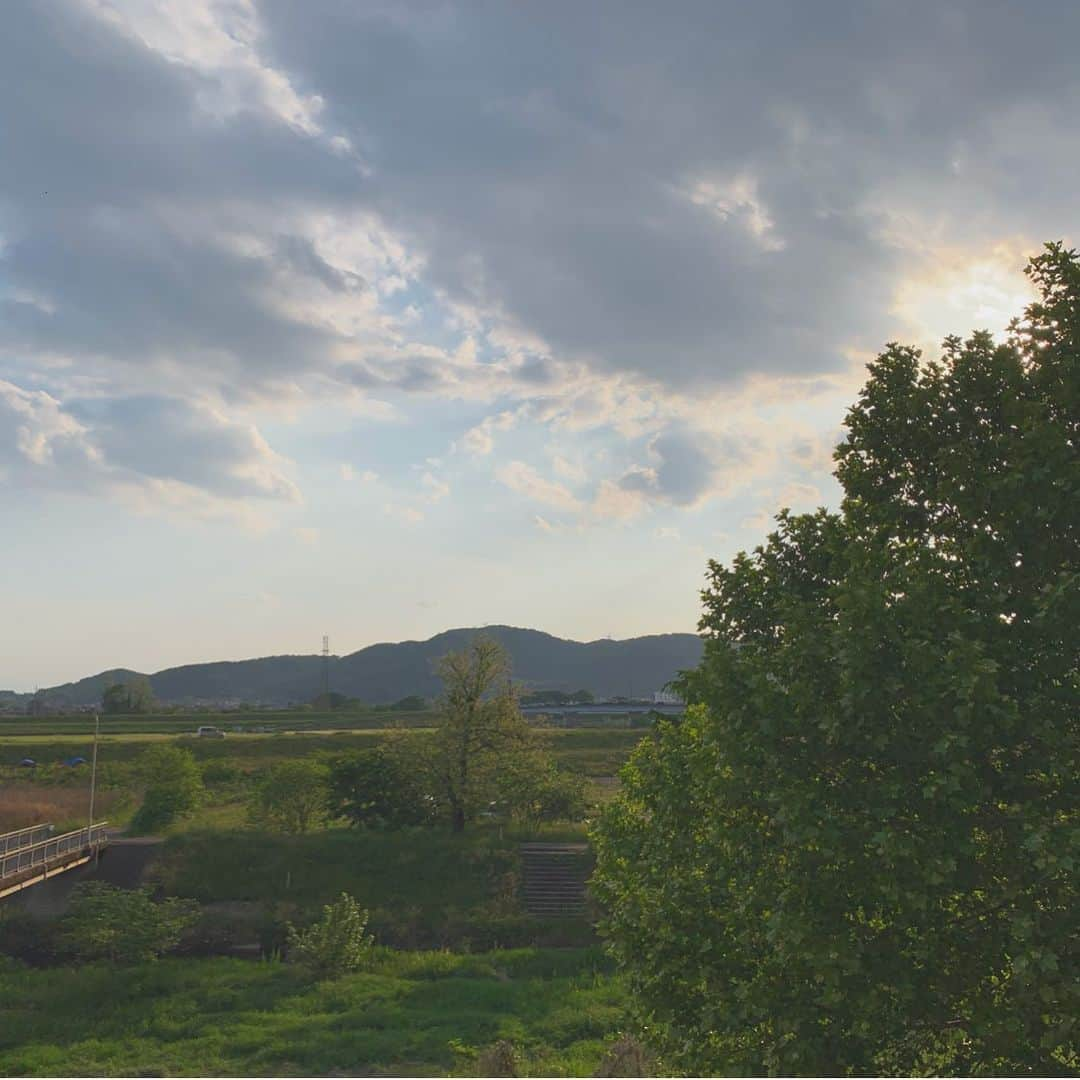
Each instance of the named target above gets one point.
<point>553,879</point>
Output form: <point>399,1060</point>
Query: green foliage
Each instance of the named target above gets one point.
<point>380,789</point>
<point>122,926</point>
<point>292,796</point>
<point>533,790</point>
<point>858,853</point>
<point>173,786</point>
<point>335,945</point>
<point>132,697</point>
<point>231,1017</point>
<point>480,731</point>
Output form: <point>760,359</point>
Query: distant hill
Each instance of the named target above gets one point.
<point>385,673</point>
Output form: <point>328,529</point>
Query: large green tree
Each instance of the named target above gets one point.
<point>859,852</point>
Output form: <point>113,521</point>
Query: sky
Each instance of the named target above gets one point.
<point>371,319</point>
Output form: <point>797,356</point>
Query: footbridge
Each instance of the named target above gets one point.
<point>34,854</point>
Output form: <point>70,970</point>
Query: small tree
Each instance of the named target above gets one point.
<point>292,796</point>
<point>335,945</point>
<point>173,786</point>
<point>124,926</point>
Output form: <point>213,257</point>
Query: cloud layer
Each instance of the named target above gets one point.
<point>657,241</point>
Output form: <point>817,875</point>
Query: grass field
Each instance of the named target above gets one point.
<point>53,792</point>
<point>420,1014</point>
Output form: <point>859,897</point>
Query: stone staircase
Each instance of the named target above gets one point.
<point>553,879</point>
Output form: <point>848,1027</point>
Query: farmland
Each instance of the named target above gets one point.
<point>459,964</point>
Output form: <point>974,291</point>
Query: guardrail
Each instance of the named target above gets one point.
<point>21,838</point>
<point>47,851</point>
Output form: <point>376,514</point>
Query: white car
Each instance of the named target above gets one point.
<point>210,733</point>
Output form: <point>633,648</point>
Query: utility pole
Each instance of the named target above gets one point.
<point>93,782</point>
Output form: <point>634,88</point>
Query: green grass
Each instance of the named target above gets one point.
<point>422,1014</point>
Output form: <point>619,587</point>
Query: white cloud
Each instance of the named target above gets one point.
<point>736,201</point>
<point>570,471</point>
<point>407,515</point>
<point>480,440</point>
<point>525,480</point>
<point>137,448</point>
<point>434,488</point>
<point>617,503</point>
<point>365,476</point>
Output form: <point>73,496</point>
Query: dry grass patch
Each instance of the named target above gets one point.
<point>23,804</point>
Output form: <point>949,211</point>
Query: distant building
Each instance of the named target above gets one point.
<point>666,697</point>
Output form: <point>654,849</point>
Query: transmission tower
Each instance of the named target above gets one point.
<point>326,668</point>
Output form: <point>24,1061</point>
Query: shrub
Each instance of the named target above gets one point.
<point>174,787</point>
<point>125,926</point>
<point>537,792</point>
<point>377,788</point>
<point>292,796</point>
<point>337,944</point>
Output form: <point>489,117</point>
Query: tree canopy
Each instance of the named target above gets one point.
<point>173,786</point>
<point>292,796</point>
<point>379,788</point>
<point>859,850</point>
<point>480,728</point>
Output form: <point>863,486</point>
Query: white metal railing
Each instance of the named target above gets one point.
<point>20,838</point>
<point>46,851</point>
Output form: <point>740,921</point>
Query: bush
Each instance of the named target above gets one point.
<point>337,944</point>
<point>221,772</point>
<point>174,787</point>
<point>122,925</point>
<point>533,790</point>
<point>377,788</point>
<point>292,796</point>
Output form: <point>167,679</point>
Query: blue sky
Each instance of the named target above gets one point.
<point>376,319</point>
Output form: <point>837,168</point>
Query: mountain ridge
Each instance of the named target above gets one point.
<point>388,671</point>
